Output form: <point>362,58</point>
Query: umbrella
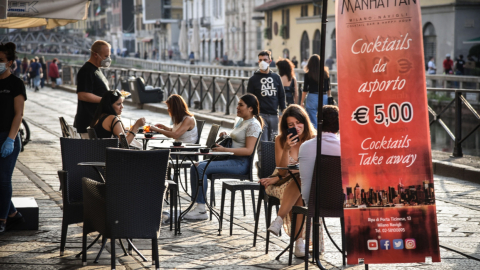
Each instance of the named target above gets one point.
<point>195,40</point>
<point>52,13</point>
<point>182,41</point>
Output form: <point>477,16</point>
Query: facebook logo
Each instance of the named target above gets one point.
<point>385,244</point>
<point>397,244</point>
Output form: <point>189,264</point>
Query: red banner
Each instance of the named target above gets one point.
<point>390,214</point>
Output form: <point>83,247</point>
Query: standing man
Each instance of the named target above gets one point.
<point>460,65</point>
<point>448,65</point>
<point>35,71</point>
<point>268,88</point>
<point>91,85</point>
<point>329,62</point>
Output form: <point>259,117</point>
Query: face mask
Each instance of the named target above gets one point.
<point>263,65</point>
<point>106,62</point>
<point>3,68</point>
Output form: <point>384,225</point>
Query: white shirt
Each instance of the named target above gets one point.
<point>190,136</point>
<point>304,63</point>
<point>431,67</point>
<point>244,129</point>
<point>307,155</point>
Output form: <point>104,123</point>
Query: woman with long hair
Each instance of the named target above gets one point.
<point>287,147</point>
<point>312,77</point>
<point>244,137</point>
<point>106,121</point>
<point>12,103</point>
<point>184,125</point>
<point>43,76</point>
<point>287,73</point>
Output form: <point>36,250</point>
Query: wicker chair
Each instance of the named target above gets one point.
<point>129,204</point>
<point>329,200</point>
<point>268,167</point>
<point>236,186</point>
<point>73,152</point>
<point>92,134</point>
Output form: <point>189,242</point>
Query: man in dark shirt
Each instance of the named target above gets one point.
<point>459,65</point>
<point>91,85</point>
<point>268,88</point>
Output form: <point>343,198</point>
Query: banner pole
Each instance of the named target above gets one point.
<point>316,217</point>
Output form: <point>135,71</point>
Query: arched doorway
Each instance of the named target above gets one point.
<point>316,42</point>
<point>334,44</point>
<point>429,42</point>
<point>304,46</point>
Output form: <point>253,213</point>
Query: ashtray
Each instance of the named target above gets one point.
<point>177,143</point>
<point>204,150</point>
<point>148,135</point>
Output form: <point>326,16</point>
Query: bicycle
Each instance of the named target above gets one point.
<point>24,132</point>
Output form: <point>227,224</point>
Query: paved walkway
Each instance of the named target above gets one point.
<point>198,246</point>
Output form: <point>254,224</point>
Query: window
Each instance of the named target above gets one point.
<point>268,29</point>
<point>429,42</point>
<point>304,46</point>
<point>316,42</point>
<point>285,28</point>
<point>317,10</point>
<point>304,11</point>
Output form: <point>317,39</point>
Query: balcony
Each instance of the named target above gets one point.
<point>205,22</point>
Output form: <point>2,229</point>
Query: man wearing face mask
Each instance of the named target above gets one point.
<point>268,88</point>
<point>91,85</point>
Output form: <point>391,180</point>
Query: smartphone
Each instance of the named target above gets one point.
<point>292,131</point>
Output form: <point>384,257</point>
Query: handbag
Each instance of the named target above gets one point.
<point>225,141</point>
<point>58,81</point>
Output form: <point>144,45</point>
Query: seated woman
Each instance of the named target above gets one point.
<point>106,121</point>
<point>184,124</point>
<point>244,137</point>
<point>286,153</point>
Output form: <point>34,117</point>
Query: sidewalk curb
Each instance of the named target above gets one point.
<point>450,169</point>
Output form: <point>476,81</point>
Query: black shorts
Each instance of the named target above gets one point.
<point>53,79</point>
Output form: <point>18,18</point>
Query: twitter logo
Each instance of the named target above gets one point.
<point>397,244</point>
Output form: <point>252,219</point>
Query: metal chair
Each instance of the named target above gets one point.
<point>234,186</point>
<point>92,134</point>
<point>329,201</point>
<point>73,152</point>
<point>117,209</point>
<point>268,167</point>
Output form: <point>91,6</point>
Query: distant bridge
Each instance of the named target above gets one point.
<point>64,41</point>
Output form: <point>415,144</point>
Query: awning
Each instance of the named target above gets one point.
<point>52,13</point>
<point>147,39</point>
<point>472,41</point>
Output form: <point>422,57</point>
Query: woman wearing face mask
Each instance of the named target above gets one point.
<point>91,85</point>
<point>12,102</point>
<point>244,136</point>
<point>286,153</point>
<point>106,121</point>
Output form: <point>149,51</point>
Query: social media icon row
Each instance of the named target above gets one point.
<point>387,244</point>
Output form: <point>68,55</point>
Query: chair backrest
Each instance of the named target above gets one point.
<point>212,136</point>
<point>92,134</point>
<point>200,124</point>
<point>331,198</point>
<point>135,187</point>
<point>123,142</point>
<point>75,151</point>
<point>267,159</point>
<point>140,84</point>
<point>64,127</point>
<point>252,156</point>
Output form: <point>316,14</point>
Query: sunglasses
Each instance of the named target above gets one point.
<point>116,93</point>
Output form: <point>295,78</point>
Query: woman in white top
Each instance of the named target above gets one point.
<point>244,137</point>
<point>184,125</point>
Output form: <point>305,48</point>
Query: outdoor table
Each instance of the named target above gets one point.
<point>155,137</point>
<point>213,156</point>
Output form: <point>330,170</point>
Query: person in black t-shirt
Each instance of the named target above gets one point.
<point>91,85</point>
<point>12,102</point>
<point>459,65</point>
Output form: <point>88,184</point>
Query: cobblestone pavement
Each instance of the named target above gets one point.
<point>198,246</point>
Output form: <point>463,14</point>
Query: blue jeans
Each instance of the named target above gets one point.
<point>311,106</point>
<point>7,164</point>
<point>36,81</point>
<point>233,165</point>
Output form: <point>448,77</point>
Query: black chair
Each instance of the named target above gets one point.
<point>140,95</point>
<point>129,204</point>
<point>236,186</point>
<point>92,134</point>
<point>268,167</point>
<point>123,142</point>
<point>173,191</point>
<point>73,152</point>
<point>329,200</point>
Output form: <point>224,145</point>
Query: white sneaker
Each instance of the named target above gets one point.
<point>276,226</point>
<point>198,213</point>
<point>299,251</point>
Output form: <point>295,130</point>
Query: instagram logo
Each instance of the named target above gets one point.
<point>410,243</point>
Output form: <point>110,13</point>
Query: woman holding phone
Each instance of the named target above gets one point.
<point>295,128</point>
